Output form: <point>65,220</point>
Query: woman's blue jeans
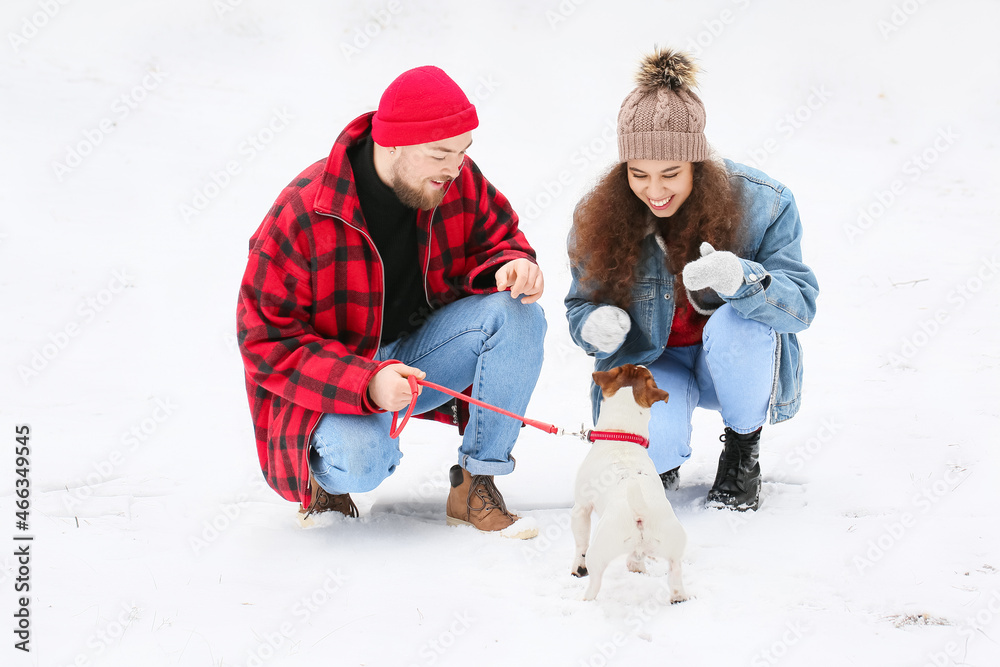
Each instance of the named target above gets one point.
<point>490,342</point>
<point>732,372</point>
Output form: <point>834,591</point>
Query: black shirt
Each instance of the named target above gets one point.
<point>393,228</point>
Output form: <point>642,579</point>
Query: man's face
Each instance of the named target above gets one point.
<point>421,174</point>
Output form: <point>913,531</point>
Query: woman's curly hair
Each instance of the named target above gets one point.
<point>611,221</point>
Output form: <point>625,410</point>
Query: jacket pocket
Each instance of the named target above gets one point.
<point>645,312</point>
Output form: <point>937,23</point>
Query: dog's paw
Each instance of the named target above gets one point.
<point>677,598</point>
<point>636,565</point>
<point>580,571</point>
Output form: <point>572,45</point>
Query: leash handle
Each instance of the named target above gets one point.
<point>414,392</point>
<point>394,432</point>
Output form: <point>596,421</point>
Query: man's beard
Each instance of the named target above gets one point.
<point>414,197</point>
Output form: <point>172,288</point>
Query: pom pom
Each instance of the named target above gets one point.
<point>667,68</point>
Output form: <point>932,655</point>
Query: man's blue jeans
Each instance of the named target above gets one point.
<point>490,342</point>
<point>732,371</point>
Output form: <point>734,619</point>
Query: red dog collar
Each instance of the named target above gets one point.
<point>619,437</point>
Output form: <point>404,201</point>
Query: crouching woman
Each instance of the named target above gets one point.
<point>692,266</point>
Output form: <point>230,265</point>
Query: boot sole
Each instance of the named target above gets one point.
<point>719,505</point>
<point>718,500</point>
<point>513,531</point>
<point>725,503</point>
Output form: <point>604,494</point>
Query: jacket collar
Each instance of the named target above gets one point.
<point>337,195</point>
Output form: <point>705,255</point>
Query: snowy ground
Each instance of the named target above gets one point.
<point>145,142</point>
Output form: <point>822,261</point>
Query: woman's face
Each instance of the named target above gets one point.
<point>663,185</point>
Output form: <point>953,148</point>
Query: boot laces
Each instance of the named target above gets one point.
<point>322,501</point>
<point>738,453</point>
<point>486,491</point>
<point>731,454</point>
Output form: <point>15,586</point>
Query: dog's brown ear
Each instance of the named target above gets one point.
<point>648,393</point>
<point>606,379</point>
<point>662,395</point>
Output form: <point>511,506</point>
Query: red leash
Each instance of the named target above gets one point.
<point>394,432</point>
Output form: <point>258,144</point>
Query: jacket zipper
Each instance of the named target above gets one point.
<point>427,295</point>
<point>312,430</point>
<point>427,257</point>
<point>430,224</point>
<point>427,263</point>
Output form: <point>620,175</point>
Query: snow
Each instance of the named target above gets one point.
<point>157,543</point>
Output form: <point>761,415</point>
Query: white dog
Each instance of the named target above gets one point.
<point>619,481</point>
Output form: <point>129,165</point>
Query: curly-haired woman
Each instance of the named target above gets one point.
<point>692,266</point>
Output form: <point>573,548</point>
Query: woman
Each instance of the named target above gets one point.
<point>692,266</point>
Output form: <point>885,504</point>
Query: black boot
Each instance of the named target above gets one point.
<point>671,479</point>
<point>737,482</point>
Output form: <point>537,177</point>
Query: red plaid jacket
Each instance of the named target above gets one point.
<point>309,316</point>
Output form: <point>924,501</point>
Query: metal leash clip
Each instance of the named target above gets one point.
<point>583,433</point>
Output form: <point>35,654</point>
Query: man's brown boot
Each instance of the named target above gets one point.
<point>322,501</point>
<point>474,500</point>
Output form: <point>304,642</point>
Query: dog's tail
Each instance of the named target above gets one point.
<point>637,504</point>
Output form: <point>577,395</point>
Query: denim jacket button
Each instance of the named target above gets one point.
<point>751,277</point>
<point>666,296</point>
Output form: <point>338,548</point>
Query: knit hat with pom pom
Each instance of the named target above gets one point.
<point>662,119</point>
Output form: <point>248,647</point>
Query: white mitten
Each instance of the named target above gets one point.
<point>605,328</point>
<point>722,271</point>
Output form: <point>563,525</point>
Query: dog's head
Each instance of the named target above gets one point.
<point>638,378</point>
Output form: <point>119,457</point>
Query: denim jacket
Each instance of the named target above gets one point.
<point>778,290</point>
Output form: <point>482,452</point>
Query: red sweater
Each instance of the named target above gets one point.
<point>688,323</point>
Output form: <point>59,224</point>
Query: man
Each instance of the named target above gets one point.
<point>394,257</point>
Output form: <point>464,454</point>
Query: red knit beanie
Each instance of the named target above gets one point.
<point>420,106</point>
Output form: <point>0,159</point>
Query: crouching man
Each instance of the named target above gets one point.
<point>393,257</point>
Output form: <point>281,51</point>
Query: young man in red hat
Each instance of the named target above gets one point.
<point>393,257</point>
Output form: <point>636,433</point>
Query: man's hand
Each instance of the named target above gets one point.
<point>390,390</point>
<point>522,277</point>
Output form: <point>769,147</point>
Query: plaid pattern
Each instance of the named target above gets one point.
<point>309,316</point>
